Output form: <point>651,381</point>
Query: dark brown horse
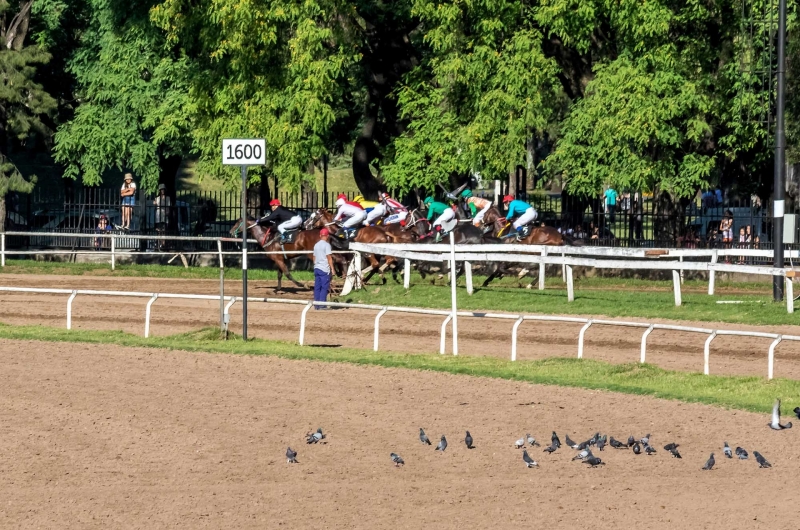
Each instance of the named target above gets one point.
<point>269,241</point>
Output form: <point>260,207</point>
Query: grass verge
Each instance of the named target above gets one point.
<point>746,393</point>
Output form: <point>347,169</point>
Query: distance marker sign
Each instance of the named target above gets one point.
<point>236,152</point>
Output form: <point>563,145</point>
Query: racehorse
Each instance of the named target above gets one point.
<point>269,241</point>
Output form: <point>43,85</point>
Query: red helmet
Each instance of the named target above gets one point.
<point>324,232</point>
<point>508,198</point>
<point>274,202</point>
<point>341,196</point>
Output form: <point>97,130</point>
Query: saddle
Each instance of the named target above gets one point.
<point>508,231</point>
<point>347,234</point>
<point>290,236</point>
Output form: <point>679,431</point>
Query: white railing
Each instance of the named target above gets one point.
<point>518,319</point>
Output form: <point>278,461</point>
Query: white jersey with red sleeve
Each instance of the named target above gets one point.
<point>394,206</point>
<point>348,210</point>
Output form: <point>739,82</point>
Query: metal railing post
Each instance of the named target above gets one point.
<point>453,291</point>
<point>378,328</point>
<point>580,338</point>
<point>113,253</point>
<point>219,253</point>
<point>514,338</point>
<point>2,250</point>
<point>442,338</point>
<point>771,357</point>
<point>707,352</point>
<point>69,308</point>
<point>303,323</point>
<point>647,332</point>
<point>147,315</point>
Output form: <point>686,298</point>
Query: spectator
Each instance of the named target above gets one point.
<point>718,196</point>
<point>162,204</point>
<point>128,194</point>
<point>742,243</point>
<point>708,200</point>
<point>323,268</point>
<point>726,227</point>
<point>611,204</point>
<point>102,227</point>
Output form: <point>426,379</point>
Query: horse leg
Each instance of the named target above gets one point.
<point>495,274</point>
<point>298,284</point>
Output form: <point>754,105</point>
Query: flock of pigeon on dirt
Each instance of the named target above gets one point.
<point>642,445</point>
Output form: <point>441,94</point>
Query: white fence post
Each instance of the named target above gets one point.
<point>580,338</point>
<point>771,357</point>
<point>514,338</point>
<point>358,265</point>
<point>378,328</point>
<point>712,274</point>
<point>113,252</point>
<point>453,291</point>
<point>542,268</point>
<point>303,323</point>
<point>147,315</point>
<point>570,285</point>
<point>406,273</point>
<point>680,258</point>
<point>563,269</point>
<point>468,276</point>
<point>442,338</point>
<point>69,308</point>
<point>676,286</point>
<point>707,352</point>
<point>643,353</point>
<point>2,250</point>
<point>789,293</point>
<point>219,253</point>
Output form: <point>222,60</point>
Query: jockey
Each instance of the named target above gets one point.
<point>282,218</point>
<point>443,212</point>
<point>351,212</point>
<point>367,205</point>
<point>524,212</point>
<point>477,206</point>
<point>393,211</point>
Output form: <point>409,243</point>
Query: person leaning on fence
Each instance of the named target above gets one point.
<point>128,195</point>
<point>323,267</point>
<point>162,203</point>
<point>103,227</point>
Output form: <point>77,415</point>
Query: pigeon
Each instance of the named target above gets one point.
<point>741,453</point>
<point>570,443</point>
<point>762,462</point>
<point>674,452</point>
<point>594,439</point>
<point>649,449</point>
<point>645,440</point>
<point>776,418</point>
<point>291,456</point>
<point>594,461</point>
<point>583,455</point>
<point>631,440</point>
<point>468,440</point>
<point>531,440</point>
<point>616,444</point>
<point>398,460</point>
<point>709,463</point>
<point>554,439</point>
<point>530,462</point>
<point>442,444</point>
<point>671,446</point>
<point>727,450</point>
<point>315,437</point>
<point>423,437</point>
<point>797,412</point>
<point>551,449</point>
<point>583,445</point>
<point>520,443</point>
<point>601,443</point>
<point>636,448</point>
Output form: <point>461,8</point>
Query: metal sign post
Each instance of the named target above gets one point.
<point>778,192</point>
<point>243,153</point>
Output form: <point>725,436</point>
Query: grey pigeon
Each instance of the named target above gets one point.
<point>583,445</point>
<point>468,440</point>
<point>291,456</point>
<point>531,440</point>
<point>709,463</point>
<point>594,461</point>
<point>442,444</point>
<point>741,453</point>
<point>674,452</point>
<point>631,440</point>
<point>762,462</point>
<point>570,443</point>
<point>645,440</point>
<point>315,437</point>
<point>636,448</point>
<point>601,443</point>
<point>594,439</point>
<point>530,462</point>
<point>616,444</point>
<point>776,418</point>
<point>671,446</point>
<point>797,412</point>
<point>398,460</point>
<point>649,449</point>
<point>727,450</point>
<point>520,443</point>
<point>550,449</point>
<point>423,437</point>
<point>555,441</point>
<point>583,455</point>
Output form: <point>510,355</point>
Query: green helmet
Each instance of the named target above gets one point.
<point>466,194</point>
<point>428,200</point>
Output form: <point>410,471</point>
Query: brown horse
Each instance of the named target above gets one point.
<point>269,241</point>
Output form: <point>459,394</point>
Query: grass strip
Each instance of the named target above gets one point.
<point>753,394</point>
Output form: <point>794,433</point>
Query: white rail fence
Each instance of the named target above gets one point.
<point>518,319</point>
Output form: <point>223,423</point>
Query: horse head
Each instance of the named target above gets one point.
<point>319,219</point>
<point>417,222</point>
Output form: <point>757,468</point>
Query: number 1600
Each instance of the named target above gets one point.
<point>246,151</point>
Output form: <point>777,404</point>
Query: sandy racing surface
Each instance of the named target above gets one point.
<point>404,333</point>
<point>123,437</point>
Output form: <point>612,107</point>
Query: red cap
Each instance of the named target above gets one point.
<point>274,202</point>
<point>324,232</point>
<point>508,198</point>
<point>341,196</point>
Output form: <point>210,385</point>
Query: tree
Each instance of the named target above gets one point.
<point>24,104</point>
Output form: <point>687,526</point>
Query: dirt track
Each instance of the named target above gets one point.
<point>142,438</point>
<point>353,328</point>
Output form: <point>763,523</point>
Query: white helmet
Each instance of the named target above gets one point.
<point>340,203</point>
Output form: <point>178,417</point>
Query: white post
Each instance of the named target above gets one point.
<point>771,359</point>
<point>580,338</point>
<point>514,338</point>
<point>303,323</point>
<point>680,258</point>
<point>442,335</point>
<point>712,274</point>
<point>147,315</point>
<point>69,308</point>
<point>406,273</point>
<point>226,316</point>
<point>468,276</point>
<point>647,332</point>
<point>789,295</point>
<point>542,268</point>
<point>570,285</point>
<point>453,291</point>
<point>2,250</point>
<point>497,192</point>
<point>676,286</point>
<point>357,279</point>
<point>219,252</point>
<point>563,269</point>
<point>377,328</point>
<point>113,253</point>
<point>706,351</point>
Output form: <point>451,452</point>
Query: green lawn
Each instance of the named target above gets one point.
<point>745,393</point>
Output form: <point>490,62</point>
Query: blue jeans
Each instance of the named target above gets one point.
<point>322,284</point>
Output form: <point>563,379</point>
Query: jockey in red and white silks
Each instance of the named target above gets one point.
<point>389,209</point>
<point>351,212</point>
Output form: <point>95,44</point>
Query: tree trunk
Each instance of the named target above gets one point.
<point>2,213</point>
<point>168,167</point>
<point>364,152</point>
<point>264,195</point>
